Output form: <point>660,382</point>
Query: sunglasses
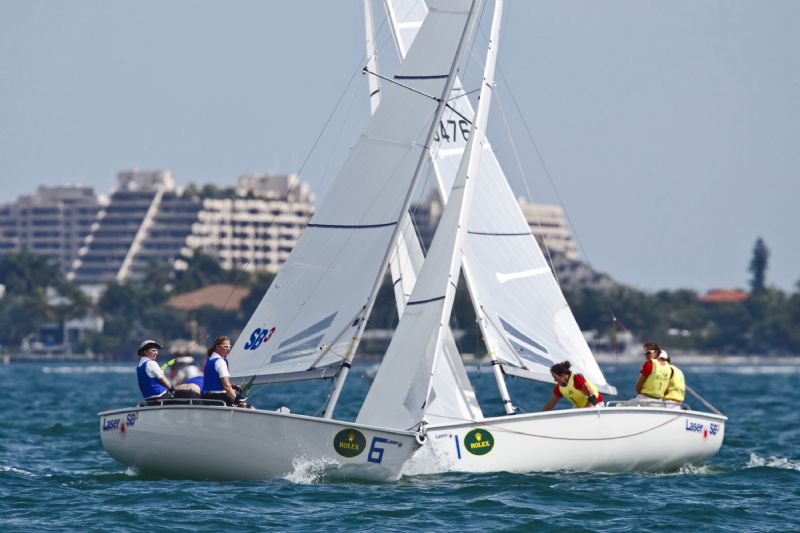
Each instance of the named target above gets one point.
<point>226,346</point>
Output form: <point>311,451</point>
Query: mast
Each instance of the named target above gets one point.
<point>442,104</point>
<point>372,57</point>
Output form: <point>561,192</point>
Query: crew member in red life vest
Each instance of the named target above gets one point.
<point>574,387</point>
<point>216,379</point>
<point>152,382</point>
<point>655,374</point>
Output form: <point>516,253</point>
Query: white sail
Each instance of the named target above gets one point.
<point>525,320</point>
<point>307,317</point>
<point>401,392</point>
<point>454,398</point>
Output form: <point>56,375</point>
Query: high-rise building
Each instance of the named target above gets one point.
<point>110,251</point>
<point>53,222</point>
<point>549,225</point>
<point>253,225</point>
<point>257,228</point>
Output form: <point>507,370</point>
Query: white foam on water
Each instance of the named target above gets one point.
<point>773,462</point>
<point>695,470</point>
<point>93,369</point>
<point>15,470</point>
<point>306,471</point>
<point>425,461</point>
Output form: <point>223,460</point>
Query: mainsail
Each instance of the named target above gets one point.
<point>525,320</point>
<point>316,302</point>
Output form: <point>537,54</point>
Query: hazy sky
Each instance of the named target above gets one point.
<point>671,130</point>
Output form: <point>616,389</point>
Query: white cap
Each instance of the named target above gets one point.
<point>149,343</point>
<point>663,355</point>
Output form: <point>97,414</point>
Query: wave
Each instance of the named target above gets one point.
<point>15,470</point>
<point>307,471</point>
<point>93,369</point>
<point>772,462</point>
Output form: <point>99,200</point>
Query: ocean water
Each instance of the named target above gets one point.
<point>55,475</point>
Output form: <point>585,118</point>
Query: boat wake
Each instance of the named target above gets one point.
<point>307,471</point>
<point>772,462</point>
<point>425,461</point>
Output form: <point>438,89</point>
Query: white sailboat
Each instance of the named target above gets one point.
<point>527,326</point>
<point>310,321</point>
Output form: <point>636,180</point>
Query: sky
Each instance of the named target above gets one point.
<point>669,131</point>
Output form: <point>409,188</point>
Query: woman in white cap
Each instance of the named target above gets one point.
<point>152,381</point>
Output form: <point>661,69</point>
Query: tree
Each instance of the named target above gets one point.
<point>202,270</point>
<point>758,266</point>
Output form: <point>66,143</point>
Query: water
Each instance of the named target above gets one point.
<point>54,473</point>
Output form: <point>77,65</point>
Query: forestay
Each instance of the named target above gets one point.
<point>315,303</point>
<point>401,392</point>
<point>525,319</point>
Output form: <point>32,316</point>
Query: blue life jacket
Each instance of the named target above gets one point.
<point>150,387</point>
<point>197,380</point>
<point>212,381</point>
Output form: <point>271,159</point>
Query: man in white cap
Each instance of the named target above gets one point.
<point>152,381</point>
<point>676,388</point>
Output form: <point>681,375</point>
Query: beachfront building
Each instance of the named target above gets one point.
<point>257,228</point>
<point>149,221</point>
<point>110,251</point>
<point>54,223</point>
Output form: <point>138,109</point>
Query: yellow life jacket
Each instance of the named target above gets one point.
<point>656,382</point>
<point>676,388</point>
<point>576,396</point>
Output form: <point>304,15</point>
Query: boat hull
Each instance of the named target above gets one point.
<point>613,439</point>
<point>227,443</point>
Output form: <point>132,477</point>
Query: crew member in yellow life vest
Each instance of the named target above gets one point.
<point>574,387</point>
<point>655,373</point>
<point>676,387</point>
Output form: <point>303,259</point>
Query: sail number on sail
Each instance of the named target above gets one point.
<point>444,132</point>
<point>258,337</point>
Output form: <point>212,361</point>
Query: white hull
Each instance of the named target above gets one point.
<point>226,443</point>
<point>612,439</point>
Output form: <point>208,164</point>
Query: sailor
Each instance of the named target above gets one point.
<point>676,387</point>
<point>216,382</point>
<point>152,382</point>
<point>187,378</point>
<point>654,375</point>
<point>573,386</point>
